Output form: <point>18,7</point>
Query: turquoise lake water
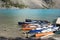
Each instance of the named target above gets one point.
<point>12,16</point>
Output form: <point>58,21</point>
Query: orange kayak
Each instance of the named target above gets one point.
<point>43,34</point>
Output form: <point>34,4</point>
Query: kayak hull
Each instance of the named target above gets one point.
<point>26,29</point>
<point>43,34</point>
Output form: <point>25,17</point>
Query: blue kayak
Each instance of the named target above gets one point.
<point>36,31</point>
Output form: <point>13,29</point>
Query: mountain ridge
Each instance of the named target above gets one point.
<point>35,4</point>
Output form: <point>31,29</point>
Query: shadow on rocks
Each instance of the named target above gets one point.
<point>51,38</point>
<point>19,38</point>
<point>3,38</point>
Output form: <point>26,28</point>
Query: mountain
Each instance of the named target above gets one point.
<point>30,4</point>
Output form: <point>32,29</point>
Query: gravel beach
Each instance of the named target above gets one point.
<point>13,32</point>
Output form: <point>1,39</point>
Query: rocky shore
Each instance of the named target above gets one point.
<point>13,32</point>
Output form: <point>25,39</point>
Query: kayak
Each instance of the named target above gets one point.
<point>34,31</point>
<point>43,34</point>
<point>27,29</point>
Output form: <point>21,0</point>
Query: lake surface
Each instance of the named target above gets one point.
<point>12,16</point>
